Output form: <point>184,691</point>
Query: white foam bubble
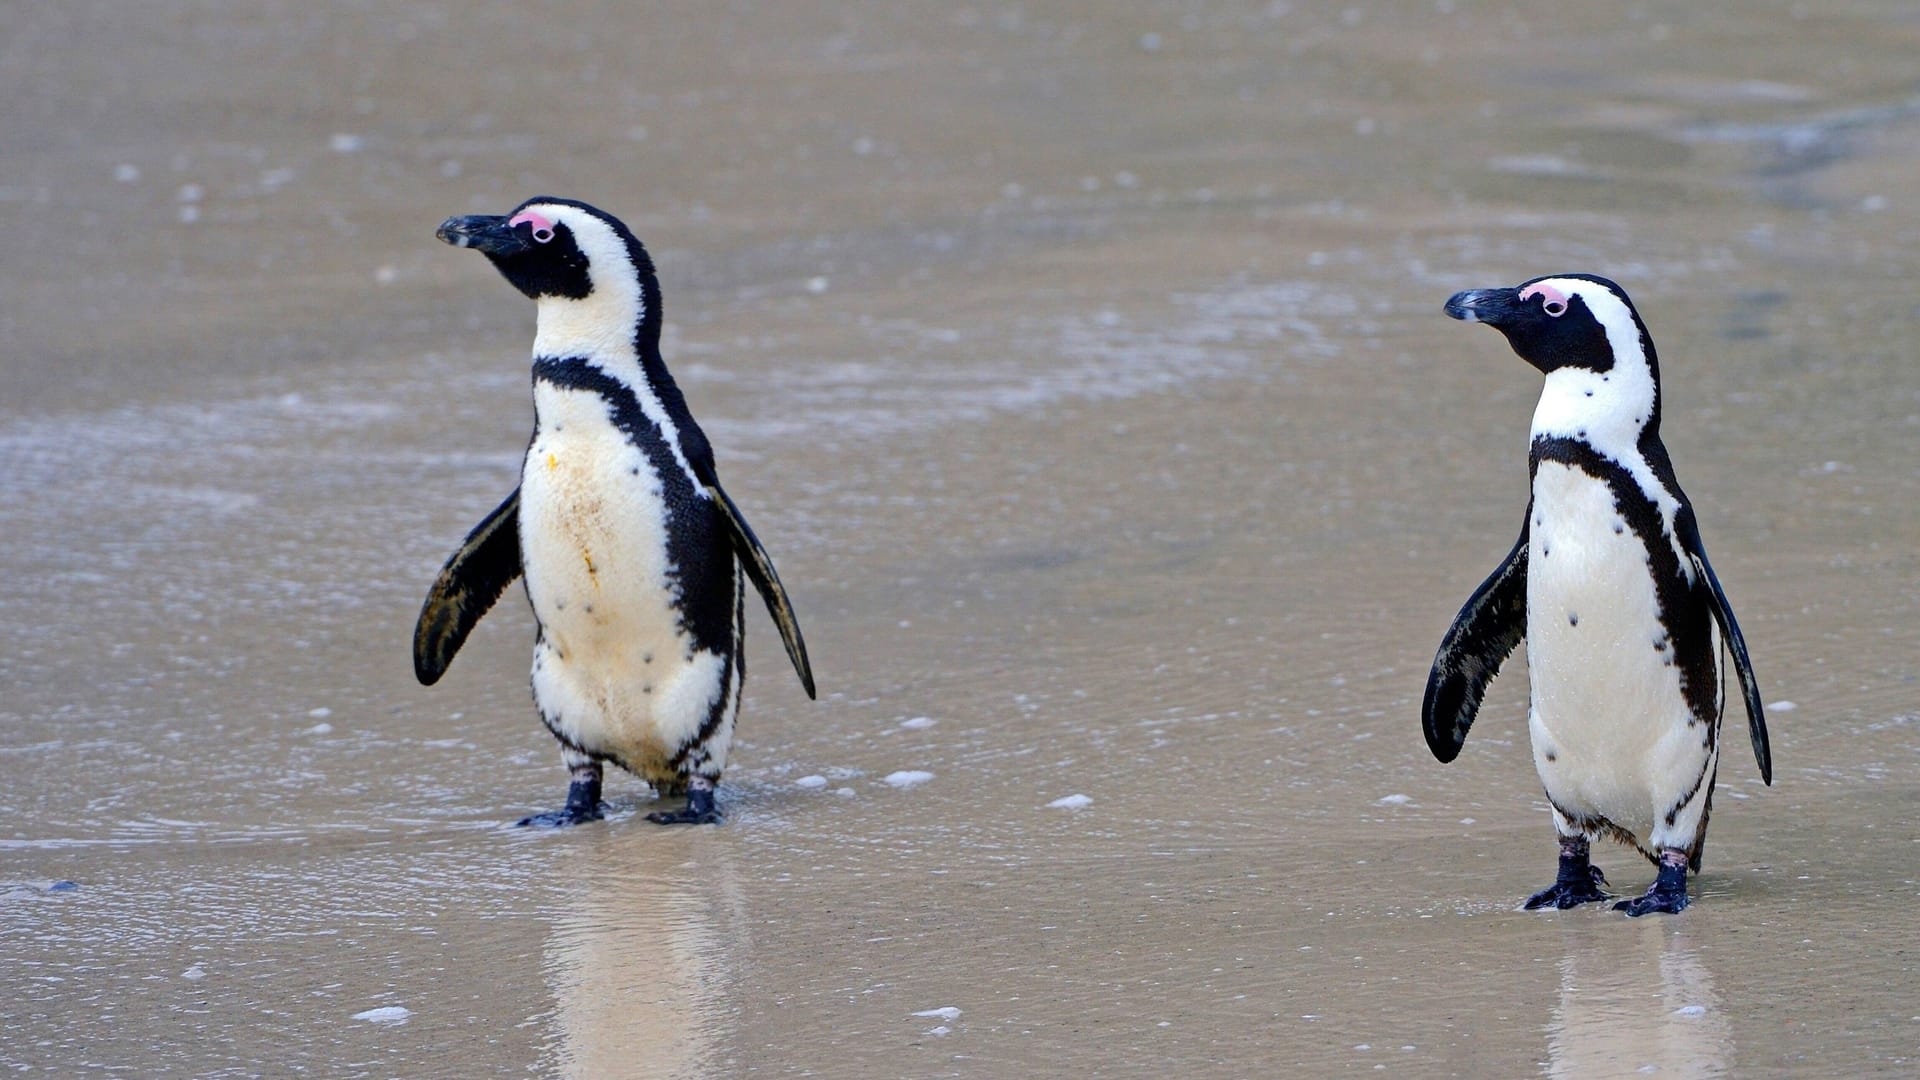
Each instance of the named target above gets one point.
<point>1070,802</point>
<point>390,1014</point>
<point>907,778</point>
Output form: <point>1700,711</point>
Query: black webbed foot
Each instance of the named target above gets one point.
<point>1578,882</point>
<point>701,809</point>
<point>560,819</point>
<point>1668,893</point>
<point>583,802</point>
<point>1565,893</point>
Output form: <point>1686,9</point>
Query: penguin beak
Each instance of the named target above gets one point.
<point>1495,307</point>
<point>486,233</point>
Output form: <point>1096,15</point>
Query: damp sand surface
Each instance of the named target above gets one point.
<point>1082,366</point>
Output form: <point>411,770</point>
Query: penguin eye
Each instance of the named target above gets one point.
<point>1555,308</point>
<point>542,228</point>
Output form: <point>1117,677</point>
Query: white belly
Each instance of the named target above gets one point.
<point>613,673</point>
<point>1609,722</point>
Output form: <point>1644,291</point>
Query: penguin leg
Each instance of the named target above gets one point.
<point>583,795</point>
<point>1668,893</point>
<point>1579,880</point>
<point>701,809</point>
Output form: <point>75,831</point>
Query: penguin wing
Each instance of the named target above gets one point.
<point>759,566</point>
<point>1689,533</point>
<point>1481,638</point>
<point>473,578</point>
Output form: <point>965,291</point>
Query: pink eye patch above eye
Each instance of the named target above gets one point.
<point>1553,295</point>
<point>539,223</point>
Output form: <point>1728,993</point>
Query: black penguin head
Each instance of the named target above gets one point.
<point>1567,320</point>
<point>563,250</point>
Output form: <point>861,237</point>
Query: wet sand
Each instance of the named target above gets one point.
<point>1082,367</point>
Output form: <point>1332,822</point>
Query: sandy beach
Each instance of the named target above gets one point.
<point>1082,366</point>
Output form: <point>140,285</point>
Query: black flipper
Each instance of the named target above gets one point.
<point>1689,533</point>
<point>759,567</point>
<point>1481,638</point>
<point>470,582</point>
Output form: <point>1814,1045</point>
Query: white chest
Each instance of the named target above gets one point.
<point>593,529</point>
<point>1584,565</point>
<point>614,673</point>
<point>1606,697</point>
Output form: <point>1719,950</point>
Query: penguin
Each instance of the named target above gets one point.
<point>634,556</point>
<point>1609,584</point>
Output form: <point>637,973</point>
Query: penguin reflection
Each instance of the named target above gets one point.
<point>1613,1019</point>
<point>637,963</point>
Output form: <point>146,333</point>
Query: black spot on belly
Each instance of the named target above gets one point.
<point>1552,757</point>
<point>646,658</point>
<point>646,688</point>
<point>589,609</point>
<point>1619,527</point>
<point>1573,618</point>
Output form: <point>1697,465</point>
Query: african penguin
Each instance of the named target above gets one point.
<point>632,551</point>
<point>1623,617</point>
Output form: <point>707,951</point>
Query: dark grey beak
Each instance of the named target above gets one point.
<point>488,233</point>
<point>1494,307</point>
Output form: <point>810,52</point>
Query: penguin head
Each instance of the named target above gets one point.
<point>579,263</point>
<point>1603,379</point>
<point>1564,321</point>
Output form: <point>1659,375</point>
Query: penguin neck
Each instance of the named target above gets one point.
<point>1616,415</point>
<point>612,328</point>
<point>1613,411</point>
<point>618,334</point>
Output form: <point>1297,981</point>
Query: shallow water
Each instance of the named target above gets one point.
<point>1082,366</point>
